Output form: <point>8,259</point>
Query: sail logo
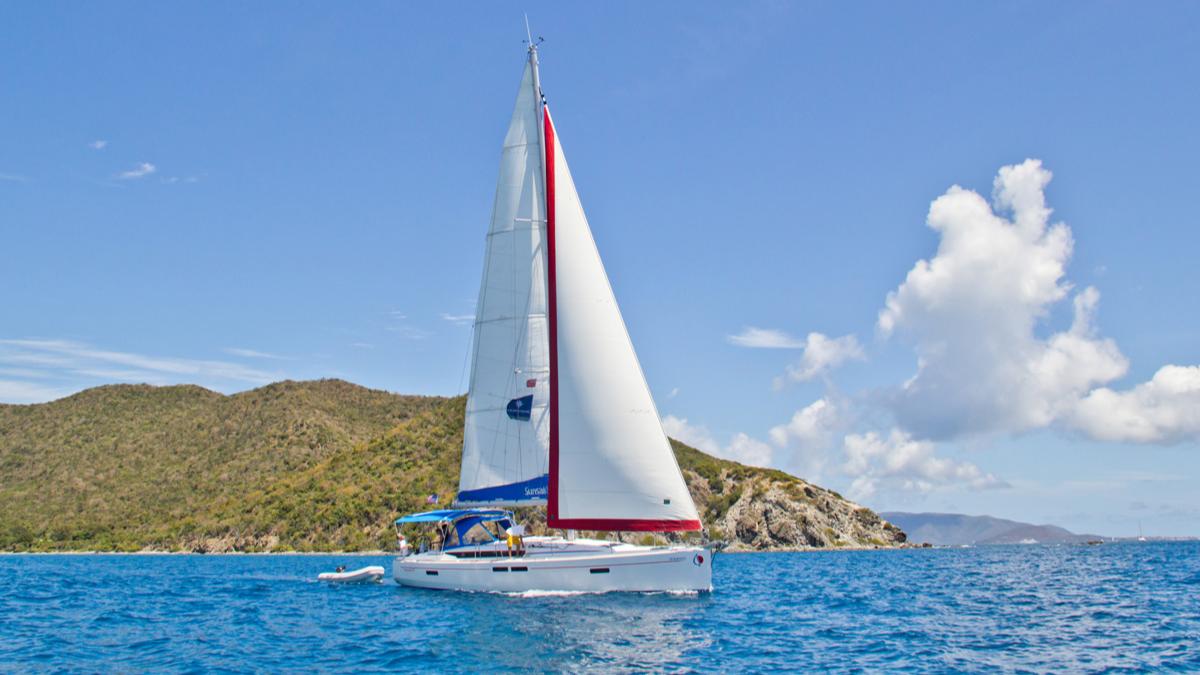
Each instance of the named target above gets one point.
<point>536,491</point>
<point>520,408</point>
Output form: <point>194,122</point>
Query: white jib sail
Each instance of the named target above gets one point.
<point>616,469</point>
<point>506,435</point>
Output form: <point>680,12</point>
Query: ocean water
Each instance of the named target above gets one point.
<point>1019,608</point>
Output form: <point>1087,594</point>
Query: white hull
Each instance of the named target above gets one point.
<point>554,564</point>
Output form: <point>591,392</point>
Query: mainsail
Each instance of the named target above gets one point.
<point>507,430</point>
<point>559,411</point>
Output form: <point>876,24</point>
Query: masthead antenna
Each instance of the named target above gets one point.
<point>529,37</point>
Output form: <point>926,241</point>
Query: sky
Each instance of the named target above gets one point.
<point>939,257</point>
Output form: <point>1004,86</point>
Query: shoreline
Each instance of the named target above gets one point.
<point>377,554</point>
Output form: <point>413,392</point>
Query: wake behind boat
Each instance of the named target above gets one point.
<point>558,410</point>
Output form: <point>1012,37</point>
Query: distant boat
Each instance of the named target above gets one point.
<point>1028,541</point>
<point>1141,537</point>
<point>558,410</point>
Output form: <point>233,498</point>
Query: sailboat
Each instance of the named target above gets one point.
<point>558,411</point>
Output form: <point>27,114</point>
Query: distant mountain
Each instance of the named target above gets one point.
<point>955,529</point>
<point>313,466</point>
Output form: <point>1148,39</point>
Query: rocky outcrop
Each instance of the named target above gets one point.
<point>791,515</point>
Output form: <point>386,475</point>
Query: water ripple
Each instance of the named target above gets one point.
<point>1010,608</point>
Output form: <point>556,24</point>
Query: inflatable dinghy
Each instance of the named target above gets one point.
<point>364,575</point>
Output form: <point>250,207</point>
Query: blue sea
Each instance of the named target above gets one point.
<point>1016,608</point>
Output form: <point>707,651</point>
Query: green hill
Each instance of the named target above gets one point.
<point>311,466</point>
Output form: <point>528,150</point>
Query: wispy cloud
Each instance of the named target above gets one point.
<point>77,365</point>
<point>460,319</point>
<point>409,333</point>
<point>362,345</point>
<point>13,178</point>
<point>172,180</point>
<point>254,354</point>
<point>98,144</point>
<point>140,171</point>
<point>765,338</point>
<point>16,391</point>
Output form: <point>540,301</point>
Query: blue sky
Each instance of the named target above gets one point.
<point>230,195</point>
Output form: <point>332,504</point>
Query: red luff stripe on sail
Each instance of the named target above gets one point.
<point>626,525</point>
<point>552,319</point>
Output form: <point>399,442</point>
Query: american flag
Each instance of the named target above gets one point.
<point>431,499</point>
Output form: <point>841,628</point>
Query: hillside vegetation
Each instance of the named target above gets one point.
<point>310,466</point>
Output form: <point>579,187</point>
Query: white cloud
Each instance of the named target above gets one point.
<point>460,319</point>
<point>748,450</point>
<point>254,354</point>
<point>972,311</point>
<point>81,364</point>
<point>764,338</point>
<point>140,171</point>
<point>674,393</point>
<point>900,462</point>
<point>1164,410</point>
<point>805,440</point>
<point>98,144</point>
<point>741,448</point>
<point>362,345</point>
<point>823,354</point>
<point>696,436</point>
<point>409,332</point>
<point>16,391</point>
<point>12,177</point>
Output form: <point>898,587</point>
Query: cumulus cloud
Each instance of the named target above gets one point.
<point>741,448</point>
<point>1164,410</point>
<point>805,440</point>
<point>764,338</point>
<point>823,354</point>
<point>898,461</point>
<point>972,311</point>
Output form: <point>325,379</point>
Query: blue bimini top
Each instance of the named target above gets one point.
<point>463,519</point>
<point>450,515</point>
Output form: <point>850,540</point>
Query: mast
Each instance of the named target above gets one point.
<point>546,165</point>
<point>540,102</point>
